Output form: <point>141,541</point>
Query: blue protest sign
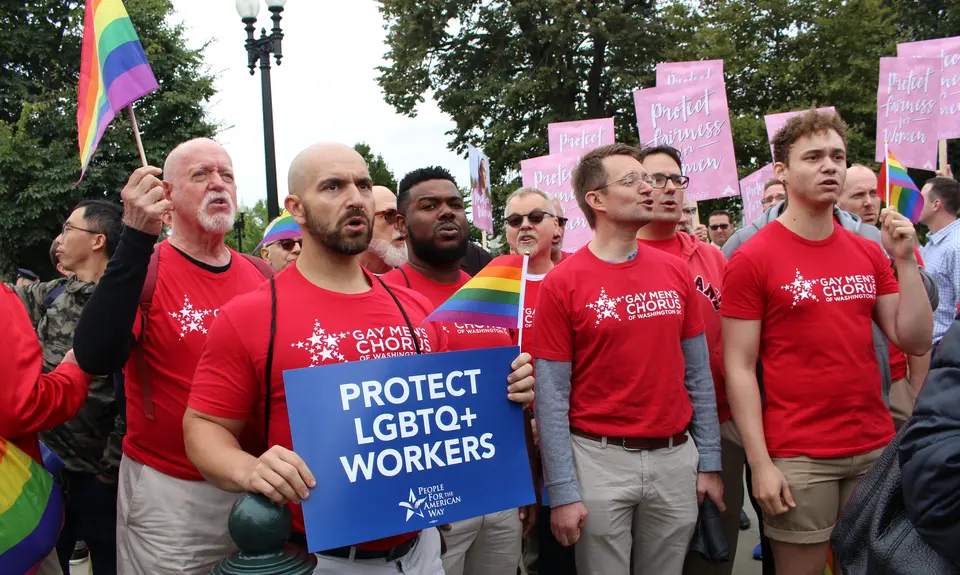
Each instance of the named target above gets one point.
<point>407,443</point>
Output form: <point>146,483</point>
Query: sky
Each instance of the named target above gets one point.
<point>325,90</point>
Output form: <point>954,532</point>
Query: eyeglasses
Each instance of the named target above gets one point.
<point>631,180</point>
<point>690,211</point>
<point>389,215</point>
<point>660,181</point>
<point>535,217</point>
<point>770,200</point>
<point>68,226</point>
<point>287,244</point>
<point>716,227</point>
<point>561,220</point>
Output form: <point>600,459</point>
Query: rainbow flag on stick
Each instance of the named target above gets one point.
<point>493,297</point>
<point>898,189</point>
<point>113,73</point>
<point>31,511</point>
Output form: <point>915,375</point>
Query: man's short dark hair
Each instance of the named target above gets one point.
<point>104,218</point>
<point>810,122</point>
<point>416,177</point>
<point>53,252</point>
<point>772,182</point>
<point>721,213</point>
<point>590,174</point>
<point>947,190</point>
<point>665,150</point>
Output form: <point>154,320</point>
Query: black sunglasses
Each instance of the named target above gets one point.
<point>535,217</point>
<point>287,244</point>
<point>389,215</point>
<point>716,227</point>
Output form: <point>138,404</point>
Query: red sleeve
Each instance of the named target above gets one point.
<point>225,383</point>
<point>31,402</point>
<point>552,324</point>
<point>916,252</point>
<point>886,276</point>
<point>743,296</point>
<point>692,317</point>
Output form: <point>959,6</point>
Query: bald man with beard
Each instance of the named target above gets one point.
<point>331,197</point>
<point>170,521</point>
<point>388,246</point>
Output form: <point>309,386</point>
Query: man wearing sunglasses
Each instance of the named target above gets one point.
<point>721,227</point>
<point>707,265</point>
<point>280,252</point>
<point>388,247</point>
<point>623,376</point>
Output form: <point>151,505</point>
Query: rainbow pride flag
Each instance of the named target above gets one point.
<point>113,72</point>
<point>898,189</point>
<point>492,297</point>
<point>31,511</point>
<point>282,228</point>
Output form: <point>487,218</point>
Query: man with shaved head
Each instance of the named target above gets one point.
<point>151,312</point>
<point>388,246</point>
<point>859,194</point>
<point>327,292</point>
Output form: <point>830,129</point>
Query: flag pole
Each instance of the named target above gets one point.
<point>136,134</point>
<point>942,154</point>
<point>886,171</point>
<point>523,289</point>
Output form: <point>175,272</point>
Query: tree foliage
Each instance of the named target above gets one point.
<point>249,229</point>
<point>504,69</point>
<point>39,157</point>
<point>379,171</point>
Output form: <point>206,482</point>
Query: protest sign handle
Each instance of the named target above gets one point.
<point>886,172</point>
<point>483,239</point>
<point>942,155</point>
<point>136,135</point>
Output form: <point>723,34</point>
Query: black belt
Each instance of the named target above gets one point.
<point>361,554</point>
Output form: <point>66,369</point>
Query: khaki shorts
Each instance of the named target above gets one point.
<point>820,488</point>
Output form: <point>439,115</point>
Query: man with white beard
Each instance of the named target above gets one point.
<point>150,313</point>
<point>388,247</point>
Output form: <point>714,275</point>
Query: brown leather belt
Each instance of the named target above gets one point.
<point>635,443</point>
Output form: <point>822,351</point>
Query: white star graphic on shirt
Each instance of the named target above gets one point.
<point>191,319</point>
<point>320,347</point>
<point>605,307</point>
<point>801,289</point>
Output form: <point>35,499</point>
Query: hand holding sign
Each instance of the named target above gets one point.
<point>281,475</point>
<point>520,388</point>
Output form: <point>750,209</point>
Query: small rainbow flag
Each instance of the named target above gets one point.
<point>113,72</point>
<point>31,511</point>
<point>493,297</point>
<point>282,228</point>
<point>898,189</point>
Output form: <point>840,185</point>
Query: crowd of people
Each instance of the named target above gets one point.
<point>671,357</point>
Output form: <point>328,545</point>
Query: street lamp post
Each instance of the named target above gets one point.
<point>259,50</point>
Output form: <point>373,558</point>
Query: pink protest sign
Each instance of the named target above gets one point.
<point>751,192</point>
<point>481,206</point>
<point>552,174</point>
<point>694,119</point>
<point>579,137</point>
<point>776,121</point>
<point>908,110</point>
<point>947,51</point>
<point>672,73</point>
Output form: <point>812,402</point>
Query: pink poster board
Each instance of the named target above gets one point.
<point>908,110</point>
<point>751,192</point>
<point>694,119</point>
<point>947,51</point>
<point>672,73</point>
<point>553,174</point>
<point>776,121</point>
<point>579,137</point>
<point>481,205</point>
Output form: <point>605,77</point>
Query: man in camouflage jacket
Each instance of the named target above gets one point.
<point>90,443</point>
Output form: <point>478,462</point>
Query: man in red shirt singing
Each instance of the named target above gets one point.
<point>663,164</point>
<point>434,221</point>
<point>326,309</point>
<point>623,374</point>
<point>169,519</point>
<point>800,297</point>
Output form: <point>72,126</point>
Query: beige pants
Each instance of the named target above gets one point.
<point>644,500</point>
<point>423,559</point>
<point>50,565</point>
<point>168,526</point>
<point>733,458</point>
<point>902,400</point>
<point>488,545</point>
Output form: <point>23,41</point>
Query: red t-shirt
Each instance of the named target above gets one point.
<point>314,327</point>
<point>898,359</point>
<point>706,265</point>
<point>186,299</point>
<point>530,292</point>
<point>820,373</point>
<point>460,336</point>
<point>620,325</point>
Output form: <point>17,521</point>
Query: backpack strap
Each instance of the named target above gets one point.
<point>261,265</point>
<point>51,297</point>
<point>405,278</point>
<point>269,369</point>
<point>406,318</point>
<point>139,358</point>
